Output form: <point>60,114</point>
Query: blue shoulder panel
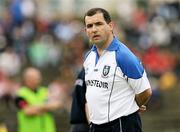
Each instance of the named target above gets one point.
<point>128,62</point>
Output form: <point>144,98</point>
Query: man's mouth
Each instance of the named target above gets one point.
<point>96,37</point>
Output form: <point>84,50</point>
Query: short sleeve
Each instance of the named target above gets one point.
<point>130,65</point>
<point>132,68</point>
<point>139,85</point>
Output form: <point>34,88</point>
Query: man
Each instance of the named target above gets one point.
<point>117,85</point>
<point>34,108</point>
<point>78,114</point>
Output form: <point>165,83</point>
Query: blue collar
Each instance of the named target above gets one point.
<point>112,47</point>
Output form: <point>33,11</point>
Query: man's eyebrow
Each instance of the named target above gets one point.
<point>99,22</point>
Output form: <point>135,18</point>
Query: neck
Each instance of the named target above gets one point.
<point>33,88</point>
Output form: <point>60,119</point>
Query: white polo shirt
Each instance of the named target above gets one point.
<point>112,81</point>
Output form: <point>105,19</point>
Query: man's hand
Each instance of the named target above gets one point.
<point>142,109</point>
<point>52,105</point>
<point>32,110</point>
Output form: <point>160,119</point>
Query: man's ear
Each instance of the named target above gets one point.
<point>84,30</point>
<point>111,25</point>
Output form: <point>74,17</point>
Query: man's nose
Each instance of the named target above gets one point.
<point>94,28</point>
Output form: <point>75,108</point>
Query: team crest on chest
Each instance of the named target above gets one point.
<point>106,70</point>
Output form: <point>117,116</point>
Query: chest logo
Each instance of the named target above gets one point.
<point>106,70</point>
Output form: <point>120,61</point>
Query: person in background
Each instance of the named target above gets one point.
<point>34,108</point>
<point>78,113</point>
<point>116,81</point>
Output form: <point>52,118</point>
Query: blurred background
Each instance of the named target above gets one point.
<point>48,34</point>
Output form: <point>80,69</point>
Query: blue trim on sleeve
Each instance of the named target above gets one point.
<point>128,62</point>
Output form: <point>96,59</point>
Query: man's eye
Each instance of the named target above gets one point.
<point>89,25</point>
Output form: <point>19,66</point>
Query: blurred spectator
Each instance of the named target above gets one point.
<point>43,52</point>
<point>33,104</point>
<point>168,81</point>
<point>59,90</point>
<point>159,31</point>
<point>8,87</point>
<point>38,53</point>
<point>169,11</point>
<point>66,30</point>
<point>54,52</point>
<point>77,48</point>
<point>28,8</point>
<point>125,9</point>
<point>10,62</point>
<point>157,62</point>
<point>16,12</point>
<point>3,43</point>
<point>3,128</point>
<point>139,18</point>
<point>28,30</point>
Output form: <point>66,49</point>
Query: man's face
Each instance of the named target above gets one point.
<point>32,78</point>
<point>97,29</point>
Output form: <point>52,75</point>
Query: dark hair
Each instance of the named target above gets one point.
<point>93,11</point>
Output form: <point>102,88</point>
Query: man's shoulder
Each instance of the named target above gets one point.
<point>124,56</point>
<point>130,65</point>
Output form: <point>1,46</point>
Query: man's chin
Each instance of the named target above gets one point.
<point>97,42</point>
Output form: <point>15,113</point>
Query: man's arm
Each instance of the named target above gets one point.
<point>50,106</point>
<point>22,104</point>
<point>40,109</point>
<point>143,98</point>
<point>36,109</point>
